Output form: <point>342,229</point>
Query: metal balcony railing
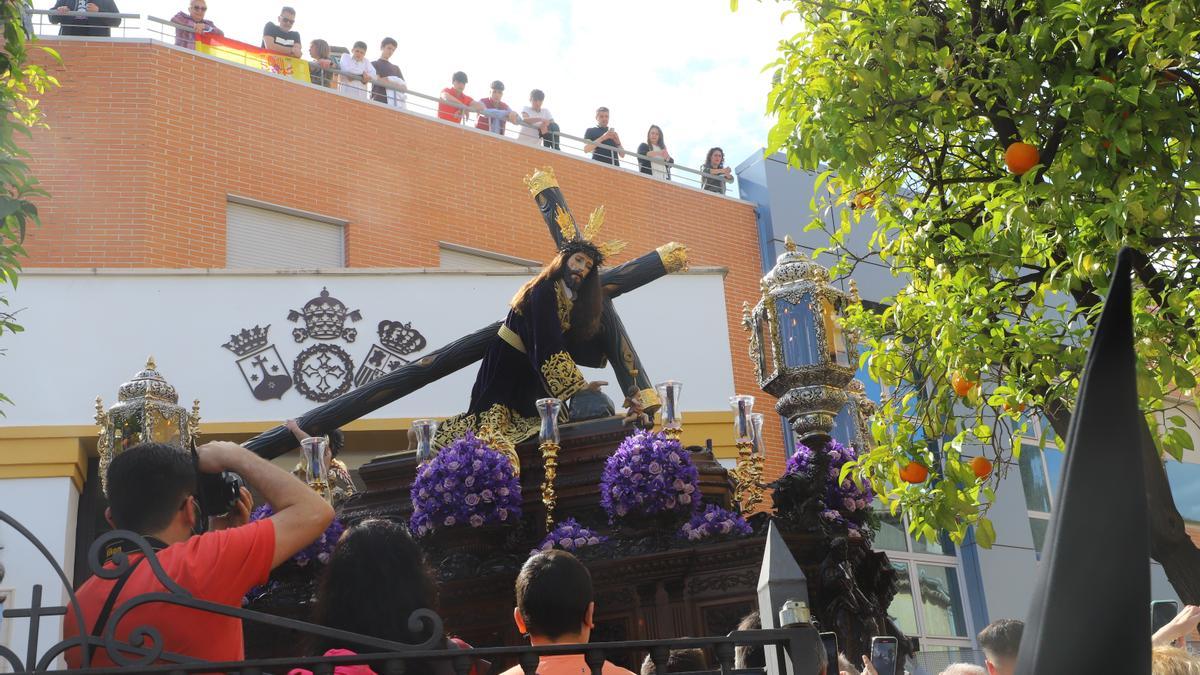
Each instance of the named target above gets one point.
<point>165,31</point>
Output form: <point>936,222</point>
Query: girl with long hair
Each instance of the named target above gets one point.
<point>655,147</point>
<point>715,173</point>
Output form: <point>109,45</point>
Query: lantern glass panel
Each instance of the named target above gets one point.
<point>835,338</point>
<point>762,333</point>
<point>845,425</point>
<point>164,428</point>
<point>797,330</point>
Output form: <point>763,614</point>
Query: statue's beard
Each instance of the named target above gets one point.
<point>573,280</point>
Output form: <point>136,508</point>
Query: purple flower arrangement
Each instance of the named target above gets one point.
<point>715,521</point>
<point>465,484</point>
<point>569,535</point>
<point>318,551</point>
<point>649,474</point>
<point>846,503</point>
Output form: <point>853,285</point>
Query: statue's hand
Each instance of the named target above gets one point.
<point>596,385</point>
<point>635,412</point>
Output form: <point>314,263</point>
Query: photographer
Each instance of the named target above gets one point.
<point>152,491</point>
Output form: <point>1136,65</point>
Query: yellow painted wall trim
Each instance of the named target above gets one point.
<point>51,457</point>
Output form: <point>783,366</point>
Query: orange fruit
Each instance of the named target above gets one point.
<point>1009,407</point>
<point>914,472</point>
<point>1021,157</point>
<point>864,199</point>
<point>962,386</point>
<point>981,466</point>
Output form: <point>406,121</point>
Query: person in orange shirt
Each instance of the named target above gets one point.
<point>555,607</point>
<point>152,491</point>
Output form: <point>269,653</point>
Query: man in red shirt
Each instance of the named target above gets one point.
<point>498,111</point>
<point>151,491</point>
<point>453,94</point>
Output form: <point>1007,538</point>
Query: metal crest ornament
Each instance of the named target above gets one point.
<point>800,353</point>
<point>322,371</point>
<point>146,410</point>
<point>324,319</point>
<point>674,257</point>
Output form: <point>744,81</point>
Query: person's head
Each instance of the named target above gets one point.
<point>601,116</point>
<point>678,661</point>
<point>197,9</point>
<point>287,18</point>
<point>845,667</point>
<point>497,90</point>
<point>359,50</point>
<point>387,48</point>
<point>1000,641</point>
<point>554,598</point>
<point>459,80</point>
<point>337,440</point>
<point>1167,660</point>
<point>376,578</point>
<point>654,136</point>
<point>963,669</point>
<point>151,491</point>
<point>318,49</point>
<point>576,267</point>
<point>715,158</point>
<point>536,98</point>
<point>749,656</point>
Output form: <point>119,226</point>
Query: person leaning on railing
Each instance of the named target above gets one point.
<point>715,173</point>
<point>152,491</point>
<point>535,113</point>
<point>195,19</point>
<point>355,72</point>
<point>323,68</point>
<point>655,147</point>
<point>281,38</point>
<point>74,19</point>
<point>497,112</point>
<point>454,101</point>
<point>390,72</point>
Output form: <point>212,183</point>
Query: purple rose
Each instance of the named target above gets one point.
<point>655,468</point>
<point>450,520</point>
<point>472,500</point>
<point>476,520</point>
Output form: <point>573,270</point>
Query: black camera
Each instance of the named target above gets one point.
<point>218,493</point>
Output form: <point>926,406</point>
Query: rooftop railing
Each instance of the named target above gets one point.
<point>396,94</point>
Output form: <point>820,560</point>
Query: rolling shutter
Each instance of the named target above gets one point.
<point>262,238</point>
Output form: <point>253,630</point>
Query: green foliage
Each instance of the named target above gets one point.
<point>916,101</point>
<point>23,81</point>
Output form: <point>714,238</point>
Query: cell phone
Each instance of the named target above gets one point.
<point>1161,613</point>
<point>831,651</point>
<point>883,654</point>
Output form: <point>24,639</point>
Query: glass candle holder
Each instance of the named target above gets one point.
<point>743,407</point>
<point>312,455</point>
<point>548,409</point>
<point>424,430</point>
<point>668,393</point>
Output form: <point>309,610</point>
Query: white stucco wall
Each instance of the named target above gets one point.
<point>47,507</point>
<point>85,333</point>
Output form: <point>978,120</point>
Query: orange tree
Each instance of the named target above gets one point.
<point>22,82</point>
<point>1005,249</point>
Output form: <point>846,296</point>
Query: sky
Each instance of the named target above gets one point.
<point>693,67</point>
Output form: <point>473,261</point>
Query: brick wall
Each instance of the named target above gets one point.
<point>146,141</point>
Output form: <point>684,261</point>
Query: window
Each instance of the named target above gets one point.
<point>1041,470</point>
<point>931,601</point>
<point>265,236</point>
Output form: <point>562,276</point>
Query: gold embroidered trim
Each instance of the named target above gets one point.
<point>649,399</point>
<point>499,427</point>
<point>674,257</point>
<point>565,304</point>
<point>541,179</point>
<point>563,379</point>
<point>508,335</point>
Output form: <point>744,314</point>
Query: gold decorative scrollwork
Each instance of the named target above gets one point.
<point>541,179</point>
<point>565,305</point>
<point>674,257</point>
<point>563,378</point>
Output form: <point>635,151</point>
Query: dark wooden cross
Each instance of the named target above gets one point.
<point>406,379</point>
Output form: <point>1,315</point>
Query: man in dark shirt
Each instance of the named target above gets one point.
<point>282,39</point>
<point>601,135</point>
<point>385,69</point>
<point>83,25</point>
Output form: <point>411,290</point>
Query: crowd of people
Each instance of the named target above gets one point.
<point>376,578</point>
<point>380,80</point>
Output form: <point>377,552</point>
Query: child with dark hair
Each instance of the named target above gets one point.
<point>1000,641</point>
<point>355,72</point>
<point>554,606</point>
<point>376,578</point>
<point>679,661</point>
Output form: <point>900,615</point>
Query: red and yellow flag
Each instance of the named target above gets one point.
<point>249,55</point>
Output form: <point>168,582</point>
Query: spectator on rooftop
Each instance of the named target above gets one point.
<point>602,134</point>
<point>194,19</point>
<point>281,39</point>
<point>322,69</point>
<point>716,174</point>
<point>356,72</point>
<point>554,606</point>
<point>534,113</point>
<point>386,70</point>
<point>454,94</point>
<point>656,148</point>
<point>82,25</point>
<point>495,121</point>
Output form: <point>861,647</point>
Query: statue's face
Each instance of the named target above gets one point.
<point>579,266</point>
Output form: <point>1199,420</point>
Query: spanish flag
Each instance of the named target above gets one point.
<point>249,55</point>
